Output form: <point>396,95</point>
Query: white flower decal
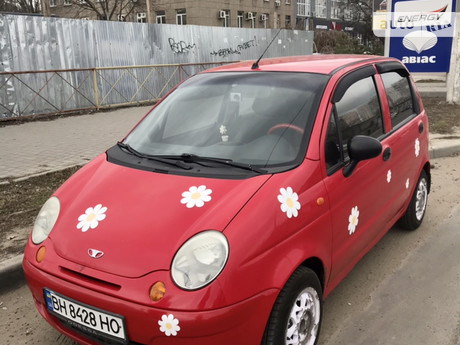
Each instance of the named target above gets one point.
<point>169,325</point>
<point>407,184</point>
<point>353,220</point>
<point>389,176</point>
<point>223,130</point>
<point>91,217</point>
<point>289,202</point>
<point>196,196</point>
<point>417,147</point>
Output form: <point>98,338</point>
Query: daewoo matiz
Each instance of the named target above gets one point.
<point>235,206</point>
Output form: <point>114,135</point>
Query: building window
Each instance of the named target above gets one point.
<point>264,19</point>
<point>161,17</point>
<point>67,2</point>
<point>336,9</point>
<point>142,17</point>
<point>239,18</point>
<point>320,9</point>
<point>52,3</point>
<point>278,21</point>
<point>304,8</point>
<point>287,22</point>
<point>288,2</point>
<point>181,17</point>
<point>225,15</point>
<point>121,18</point>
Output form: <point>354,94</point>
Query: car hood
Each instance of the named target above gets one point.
<point>131,222</point>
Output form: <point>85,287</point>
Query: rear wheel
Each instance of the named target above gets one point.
<point>415,212</point>
<point>296,315</point>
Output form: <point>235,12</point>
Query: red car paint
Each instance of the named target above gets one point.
<point>145,222</point>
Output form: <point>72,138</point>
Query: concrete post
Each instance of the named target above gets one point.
<point>453,77</point>
<point>46,11</point>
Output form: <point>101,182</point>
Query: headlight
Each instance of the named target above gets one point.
<point>45,220</point>
<point>200,260</point>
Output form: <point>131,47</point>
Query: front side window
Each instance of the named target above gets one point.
<point>262,119</point>
<point>399,97</point>
<point>357,113</point>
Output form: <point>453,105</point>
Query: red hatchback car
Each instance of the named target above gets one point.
<point>235,206</point>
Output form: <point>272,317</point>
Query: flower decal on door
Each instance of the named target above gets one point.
<point>389,176</point>
<point>289,202</point>
<point>169,325</point>
<point>407,184</point>
<point>91,218</point>
<point>353,220</point>
<point>196,196</point>
<point>417,147</point>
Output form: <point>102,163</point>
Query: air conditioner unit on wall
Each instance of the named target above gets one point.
<point>277,3</point>
<point>222,14</point>
<point>263,17</point>
<point>249,16</point>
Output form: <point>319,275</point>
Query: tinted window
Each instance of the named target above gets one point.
<point>399,97</point>
<point>358,112</point>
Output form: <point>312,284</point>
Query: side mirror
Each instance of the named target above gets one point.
<point>360,148</point>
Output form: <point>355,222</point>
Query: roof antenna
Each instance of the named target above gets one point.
<point>256,64</point>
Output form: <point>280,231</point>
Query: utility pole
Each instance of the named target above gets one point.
<point>453,77</point>
<point>149,11</point>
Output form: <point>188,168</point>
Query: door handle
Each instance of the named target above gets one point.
<point>386,154</point>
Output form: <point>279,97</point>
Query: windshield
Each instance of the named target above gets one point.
<point>259,118</point>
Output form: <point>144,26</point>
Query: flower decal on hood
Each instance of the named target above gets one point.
<point>196,196</point>
<point>289,202</point>
<point>169,325</point>
<point>91,218</point>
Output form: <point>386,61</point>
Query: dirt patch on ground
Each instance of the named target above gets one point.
<point>19,205</point>
<point>443,116</point>
<point>21,201</point>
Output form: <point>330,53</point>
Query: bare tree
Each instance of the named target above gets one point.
<point>20,6</point>
<point>106,9</point>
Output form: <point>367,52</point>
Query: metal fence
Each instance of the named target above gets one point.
<point>31,93</point>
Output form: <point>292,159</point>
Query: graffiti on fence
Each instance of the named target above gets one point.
<point>180,47</point>
<point>224,52</point>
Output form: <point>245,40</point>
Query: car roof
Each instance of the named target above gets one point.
<point>318,63</point>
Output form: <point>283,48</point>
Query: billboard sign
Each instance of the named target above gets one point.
<point>420,32</point>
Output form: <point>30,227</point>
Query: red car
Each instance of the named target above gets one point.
<point>235,206</point>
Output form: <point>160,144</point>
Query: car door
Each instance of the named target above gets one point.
<point>357,202</point>
<point>407,133</point>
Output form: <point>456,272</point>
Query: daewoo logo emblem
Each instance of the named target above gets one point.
<point>95,254</point>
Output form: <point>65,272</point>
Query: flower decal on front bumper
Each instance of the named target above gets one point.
<point>289,202</point>
<point>169,325</point>
<point>196,196</point>
<point>91,218</point>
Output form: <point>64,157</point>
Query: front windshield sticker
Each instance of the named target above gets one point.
<point>169,325</point>
<point>91,217</point>
<point>353,220</point>
<point>289,202</point>
<point>196,196</point>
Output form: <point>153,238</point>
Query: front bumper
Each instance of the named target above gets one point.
<point>241,323</point>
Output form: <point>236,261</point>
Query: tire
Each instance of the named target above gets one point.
<point>296,315</point>
<point>415,212</point>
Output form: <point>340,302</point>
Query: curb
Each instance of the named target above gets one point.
<point>11,270</point>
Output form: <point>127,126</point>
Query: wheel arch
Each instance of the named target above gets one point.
<point>316,265</point>
<point>427,168</point>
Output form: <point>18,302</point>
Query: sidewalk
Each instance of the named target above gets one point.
<point>43,146</point>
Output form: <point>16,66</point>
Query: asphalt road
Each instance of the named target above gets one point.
<point>405,291</point>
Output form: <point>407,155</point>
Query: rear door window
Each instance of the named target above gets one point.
<point>399,97</point>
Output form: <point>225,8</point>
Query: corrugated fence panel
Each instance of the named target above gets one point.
<point>29,43</point>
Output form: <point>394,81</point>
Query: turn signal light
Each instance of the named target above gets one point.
<point>41,254</point>
<point>157,291</point>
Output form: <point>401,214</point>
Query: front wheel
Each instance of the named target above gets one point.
<point>296,315</point>
<point>415,212</point>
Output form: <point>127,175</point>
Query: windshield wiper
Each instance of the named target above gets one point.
<point>179,164</point>
<point>192,158</point>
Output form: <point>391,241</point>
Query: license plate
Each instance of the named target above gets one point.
<point>89,320</point>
